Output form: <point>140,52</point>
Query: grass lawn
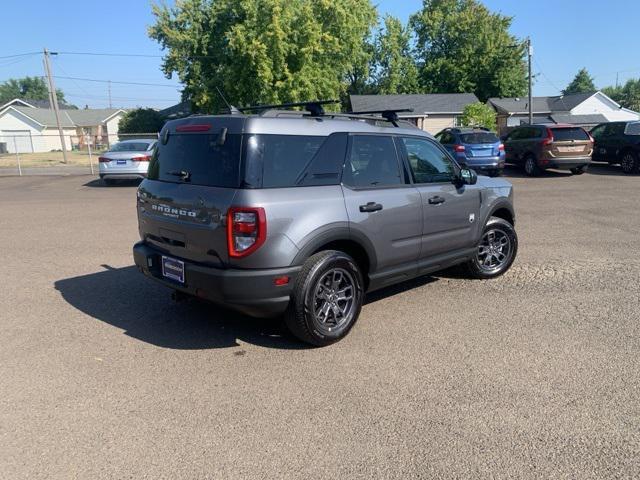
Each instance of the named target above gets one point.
<point>47,159</point>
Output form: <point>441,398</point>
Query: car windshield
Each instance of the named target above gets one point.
<point>130,147</point>
<point>479,137</point>
<point>567,134</point>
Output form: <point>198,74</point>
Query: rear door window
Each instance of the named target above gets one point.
<point>198,159</point>
<point>372,162</point>
<point>568,134</point>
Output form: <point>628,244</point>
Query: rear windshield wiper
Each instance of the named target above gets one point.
<point>183,174</point>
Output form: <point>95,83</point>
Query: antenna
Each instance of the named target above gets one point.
<point>231,108</point>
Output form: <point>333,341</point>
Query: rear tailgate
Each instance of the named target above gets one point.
<point>570,142</point>
<point>193,178</point>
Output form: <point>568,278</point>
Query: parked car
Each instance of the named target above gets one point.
<point>618,142</point>
<point>126,160</point>
<point>280,213</point>
<point>477,148</point>
<point>539,147</point>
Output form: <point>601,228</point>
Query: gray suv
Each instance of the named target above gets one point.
<point>301,213</point>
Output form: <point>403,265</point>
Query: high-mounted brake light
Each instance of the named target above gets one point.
<point>246,230</point>
<point>459,148</point>
<point>193,128</point>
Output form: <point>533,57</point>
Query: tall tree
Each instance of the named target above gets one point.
<point>581,83</point>
<point>463,47</point>
<point>141,120</point>
<point>31,88</point>
<point>396,70</point>
<point>627,95</point>
<point>265,51</point>
<point>479,115</point>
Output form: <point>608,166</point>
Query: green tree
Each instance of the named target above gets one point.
<point>396,70</point>
<point>265,51</point>
<point>141,120</point>
<point>29,88</point>
<point>581,83</point>
<point>463,47</point>
<point>479,115</point>
<point>627,95</point>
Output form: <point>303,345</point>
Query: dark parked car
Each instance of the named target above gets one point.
<point>618,142</point>
<point>539,147</point>
<point>477,148</point>
<point>301,213</point>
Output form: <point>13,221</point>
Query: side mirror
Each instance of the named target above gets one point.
<point>468,176</point>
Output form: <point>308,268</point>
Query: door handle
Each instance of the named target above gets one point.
<point>370,207</point>
<point>437,200</point>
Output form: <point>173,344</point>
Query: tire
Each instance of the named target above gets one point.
<point>629,162</point>
<point>531,166</point>
<point>579,170</point>
<point>315,296</point>
<point>504,237</point>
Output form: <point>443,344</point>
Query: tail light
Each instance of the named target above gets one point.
<point>549,139</point>
<point>501,147</point>
<point>246,230</point>
<point>458,148</point>
<point>141,158</point>
<point>103,159</point>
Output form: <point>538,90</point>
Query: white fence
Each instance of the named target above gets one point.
<point>25,152</point>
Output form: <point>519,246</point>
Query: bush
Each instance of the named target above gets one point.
<point>479,115</point>
<point>141,120</point>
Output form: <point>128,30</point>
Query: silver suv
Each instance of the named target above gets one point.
<point>301,213</point>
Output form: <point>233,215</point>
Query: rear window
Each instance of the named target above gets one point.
<point>130,147</point>
<point>479,137</point>
<point>567,134</point>
<point>200,157</point>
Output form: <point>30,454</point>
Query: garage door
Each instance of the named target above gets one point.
<point>17,139</point>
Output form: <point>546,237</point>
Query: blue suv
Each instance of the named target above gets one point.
<point>476,148</point>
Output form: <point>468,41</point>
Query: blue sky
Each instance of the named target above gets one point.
<point>566,34</point>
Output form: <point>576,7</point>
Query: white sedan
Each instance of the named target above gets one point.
<point>126,160</point>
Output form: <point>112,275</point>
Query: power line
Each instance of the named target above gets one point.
<point>21,54</point>
<point>120,82</point>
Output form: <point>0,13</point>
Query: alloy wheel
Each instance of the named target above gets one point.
<point>494,250</point>
<point>334,300</point>
<point>628,163</point>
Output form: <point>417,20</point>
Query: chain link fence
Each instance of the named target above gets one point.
<point>25,153</point>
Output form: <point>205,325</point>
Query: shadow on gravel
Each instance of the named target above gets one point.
<point>124,298</point>
<point>512,171</point>
<point>97,183</point>
<point>606,169</point>
<point>399,288</point>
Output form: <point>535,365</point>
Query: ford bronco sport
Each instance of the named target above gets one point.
<point>301,213</point>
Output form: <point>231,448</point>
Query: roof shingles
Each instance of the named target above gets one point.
<point>422,104</point>
<point>69,118</point>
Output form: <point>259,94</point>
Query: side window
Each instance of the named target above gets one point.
<point>448,139</point>
<point>617,129</point>
<point>372,162</point>
<point>515,134</point>
<point>428,163</point>
<point>598,132</point>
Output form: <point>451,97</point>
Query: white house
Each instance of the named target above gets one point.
<point>585,109</point>
<point>27,128</point>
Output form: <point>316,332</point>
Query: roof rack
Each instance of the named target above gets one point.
<point>314,107</point>
<point>388,115</point>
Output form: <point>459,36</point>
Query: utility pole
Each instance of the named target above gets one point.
<point>109,87</point>
<point>530,54</point>
<point>54,97</point>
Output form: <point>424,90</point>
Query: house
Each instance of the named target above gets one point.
<point>431,112</point>
<point>27,102</point>
<point>180,110</point>
<point>27,128</point>
<point>584,109</point>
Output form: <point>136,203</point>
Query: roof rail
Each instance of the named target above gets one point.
<point>388,115</point>
<point>314,107</point>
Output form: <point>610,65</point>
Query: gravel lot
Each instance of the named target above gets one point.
<point>533,375</point>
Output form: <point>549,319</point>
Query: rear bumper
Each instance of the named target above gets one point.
<point>248,291</point>
<point>123,176</point>
<point>565,163</point>
<point>483,163</point>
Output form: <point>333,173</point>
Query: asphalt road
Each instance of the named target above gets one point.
<point>533,375</point>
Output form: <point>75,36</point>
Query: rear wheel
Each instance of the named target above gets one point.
<point>531,166</point>
<point>496,250</point>
<point>326,300</point>
<point>579,170</point>
<point>629,163</point>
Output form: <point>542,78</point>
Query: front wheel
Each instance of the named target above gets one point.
<point>496,250</point>
<point>531,166</point>
<point>629,163</point>
<point>326,299</point>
